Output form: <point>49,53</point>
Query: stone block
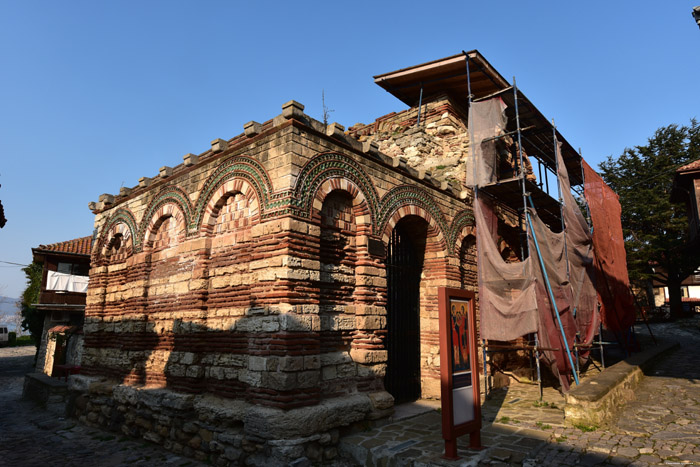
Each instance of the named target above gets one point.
<point>308,379</point>
<point>165,172</point>
<point>144,182</point>
<point>335,358</point>
<point>329,372</point>
<point>106,198</point>
<point>124,191</point>
<point>371,322</point>
<point>335,130</point>
<point>370,147</point>
<point>291,363</point>
<point>381,400</point>
<point>190,159</point>
<point>251,129</point>
<point>272,423</point>
<point>292,109</point>
<point>312,362</point>
<point>219,145</point>
<point>256,363</point>
<point>367,356</point>
<point>280,381</point>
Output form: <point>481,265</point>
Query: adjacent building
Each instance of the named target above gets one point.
<point>64,286</point>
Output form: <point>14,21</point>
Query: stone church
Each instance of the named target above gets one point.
<point>250,303</point>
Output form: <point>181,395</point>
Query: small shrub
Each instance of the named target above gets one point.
<point>585,428</point>
<point>24,340</point>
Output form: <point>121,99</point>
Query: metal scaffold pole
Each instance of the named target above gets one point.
<point>470,124</point>
<point>525,196</point>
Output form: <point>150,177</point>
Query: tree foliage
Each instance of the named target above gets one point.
<point>656,229</point>
<point>32,319</point>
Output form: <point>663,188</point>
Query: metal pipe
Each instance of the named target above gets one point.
<point>493,94</point>
<point>470,123</point>
<point>576,352</point>
<point>522,172</point>
<point>551,296</point>
<point>486,376</point>
<point>503,135</point>
<point>561,203</point>
<point>420,103</point>
<point>602,350</point>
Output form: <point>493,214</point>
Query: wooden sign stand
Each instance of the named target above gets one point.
<point>459,370</point>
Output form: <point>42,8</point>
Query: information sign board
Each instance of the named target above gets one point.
<point>459,369</point>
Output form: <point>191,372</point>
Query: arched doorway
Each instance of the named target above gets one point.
<point>404,265</point>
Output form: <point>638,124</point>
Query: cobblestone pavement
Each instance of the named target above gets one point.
<point>30,436</point>
<point>660,427</point>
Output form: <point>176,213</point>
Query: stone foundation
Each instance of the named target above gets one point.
<point>220,430</point>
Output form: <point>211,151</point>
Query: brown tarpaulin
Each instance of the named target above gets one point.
<point>612,281</point>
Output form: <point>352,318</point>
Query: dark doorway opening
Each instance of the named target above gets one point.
<point>404,266</point>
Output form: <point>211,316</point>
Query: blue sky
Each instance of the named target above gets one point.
<point>95,95</point>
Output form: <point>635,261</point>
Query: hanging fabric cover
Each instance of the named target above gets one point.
<point>581,258</point>
<point>488,119</point>
<point>507,299</point>
<point>612,281</point>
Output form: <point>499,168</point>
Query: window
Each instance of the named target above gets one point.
<point>75,269</point>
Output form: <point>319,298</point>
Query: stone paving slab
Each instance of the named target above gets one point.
<point>31,436</point>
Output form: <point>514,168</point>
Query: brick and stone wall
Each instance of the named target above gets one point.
<point>237,302</point>
<point>438,144</point>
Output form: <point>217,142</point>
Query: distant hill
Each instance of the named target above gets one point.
<point>8,307</point>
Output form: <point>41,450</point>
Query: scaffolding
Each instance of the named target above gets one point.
<point>521,188</point>
<point>532,191</point>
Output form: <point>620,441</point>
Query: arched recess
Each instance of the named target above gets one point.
<point>426,236</point>
<point>121,222</point>
<point>340,209</point>
<point>410,200</point>
<point>232,210</point>
<point>169,200</point>
<point>468,277</point>
<point>405,261</point>
<point>119,243</point>
<point>163,268</point>
<point>463,224</point>
<point>108,271</point>
<point>234,168</point>
<point>234,205</point>
<point>166,229</point>
<point>328,166</point>
<point>338,252</point>
<point>435,227</point>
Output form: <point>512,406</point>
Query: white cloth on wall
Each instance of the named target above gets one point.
<point>66,282</point>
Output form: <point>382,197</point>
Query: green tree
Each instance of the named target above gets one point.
<point>32,319</point>
<point>656,229</point>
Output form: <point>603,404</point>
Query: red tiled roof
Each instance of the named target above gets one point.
<point>79,246</point>
<point>695,165</point>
